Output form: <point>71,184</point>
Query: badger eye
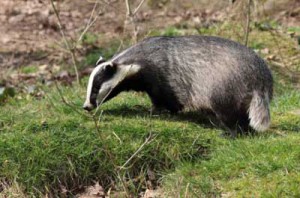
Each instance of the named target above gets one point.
<point>109,70</point>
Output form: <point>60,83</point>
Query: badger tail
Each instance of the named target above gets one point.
<point>259,113</point>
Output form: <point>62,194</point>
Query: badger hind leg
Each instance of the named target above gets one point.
<point>228,117</point>
<point>229,123</point>
<point>231,116</point>
<point>259,113</point>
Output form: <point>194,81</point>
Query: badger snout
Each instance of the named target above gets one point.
<point>88,106</point>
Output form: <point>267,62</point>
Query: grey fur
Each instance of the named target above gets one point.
<point>192,73</point>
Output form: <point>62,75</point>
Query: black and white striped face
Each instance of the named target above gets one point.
<point>103,79</point>
<point>99,84</point>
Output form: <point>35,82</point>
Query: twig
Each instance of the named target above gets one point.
<point>101,102</point>
<point>95,120</point>
<point>138,7</point>
<point>117,137</point>
<point>147,141</point>
<point>248,22</point>
<point>60,25</point>
<point>186,190</point>
<point>129,14</point>
<point>70,49</point>
<point>123,184</point>
<point>90,22</point>
<point>66,102</point>
<point>130,17</point>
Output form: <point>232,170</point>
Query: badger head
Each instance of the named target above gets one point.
<point>103,79</point>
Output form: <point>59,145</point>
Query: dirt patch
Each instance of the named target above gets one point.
<point>29,34</point>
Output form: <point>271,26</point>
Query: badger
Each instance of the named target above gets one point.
<point>190,73</point>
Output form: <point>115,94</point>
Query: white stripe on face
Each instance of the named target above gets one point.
<point>92,76</point>
<point>87,102</point>
<point>126,70</point>
<point>122,72</point>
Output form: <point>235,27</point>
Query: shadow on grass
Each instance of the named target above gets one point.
<point>204,118</point>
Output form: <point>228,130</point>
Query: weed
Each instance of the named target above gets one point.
<point>89,38</point>
<point>29,69</point>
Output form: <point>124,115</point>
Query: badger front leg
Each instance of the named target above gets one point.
<point>156,110</point>
<point>157,107</point>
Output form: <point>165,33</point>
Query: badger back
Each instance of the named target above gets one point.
<point>193,68</point>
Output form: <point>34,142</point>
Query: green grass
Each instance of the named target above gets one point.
<point>264,166</point>
<point>44,143</point>
<point>93,56</point>
<point>46,146</point>
<point>29,69</point>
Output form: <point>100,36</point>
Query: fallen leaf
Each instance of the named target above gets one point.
<point>296,112</point>
<point>93,192</point>
<point>31,89</point>
<point>16,19</point>
<point>265,51</point>
<point>271,57</point>
<point>152,193</point>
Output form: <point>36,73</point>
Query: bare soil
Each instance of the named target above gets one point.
<point>29,34</point>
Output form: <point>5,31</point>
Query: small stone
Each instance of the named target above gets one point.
<point>31,89</point>
<point>265,51</point>
<point>16,19</point>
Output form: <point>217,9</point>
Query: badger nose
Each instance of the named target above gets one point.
<point>88,107</point>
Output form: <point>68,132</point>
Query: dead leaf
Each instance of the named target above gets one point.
<point>296,112</point>
<point>152,193</point>
<point>272,57</point>
<point>16,19</point>
<point>31,89</point>
<point>265,51</point>
<point>151,175</point>
<point>43,69</point>
<point>93,192</point>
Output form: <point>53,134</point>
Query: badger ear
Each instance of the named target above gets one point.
<point>100,60</point>
<point>110,67</point>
